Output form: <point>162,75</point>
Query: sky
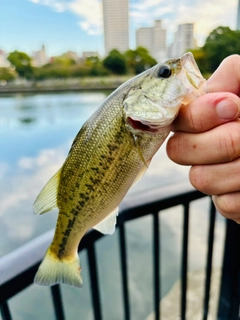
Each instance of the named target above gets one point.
<point>77,25</point>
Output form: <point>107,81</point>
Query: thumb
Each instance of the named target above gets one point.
<point>226,77</point>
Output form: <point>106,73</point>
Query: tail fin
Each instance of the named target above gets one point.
<point>53,270</point>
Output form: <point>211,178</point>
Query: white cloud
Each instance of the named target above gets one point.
<point>59,6</point>
<point>208,15</point>
<point>42,167</point>
<point>89,11</point>
<point>18,223</point>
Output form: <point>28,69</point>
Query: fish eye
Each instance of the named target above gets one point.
<point>164,72</point>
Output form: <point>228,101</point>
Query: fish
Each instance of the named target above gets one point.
<point>110,153</point>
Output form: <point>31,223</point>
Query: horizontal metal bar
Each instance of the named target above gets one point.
<point>19,260</point>
<point>156,199</point>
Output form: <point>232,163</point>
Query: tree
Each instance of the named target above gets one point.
<point>22,64</point>
<point>7,74</point>
<point>139,60</point>
<point>96,66</point>
<point>60,67</point>
<point>115,62</point>
<point>221,43</point>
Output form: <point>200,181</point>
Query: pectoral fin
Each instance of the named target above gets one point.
<point>47,198</point>
<point>107,225</point>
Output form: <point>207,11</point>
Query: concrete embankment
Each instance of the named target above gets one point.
<point>78,84</point>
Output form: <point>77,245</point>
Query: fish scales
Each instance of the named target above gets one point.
<point>102,171</point>
<point>111,152</point>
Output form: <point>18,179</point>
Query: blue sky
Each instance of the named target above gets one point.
<point>63,25</point>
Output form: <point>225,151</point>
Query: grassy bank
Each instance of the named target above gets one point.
<point>74,84</point>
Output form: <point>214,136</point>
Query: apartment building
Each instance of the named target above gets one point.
<point>116,25</point>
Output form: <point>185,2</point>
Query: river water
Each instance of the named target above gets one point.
<point>36,132</point>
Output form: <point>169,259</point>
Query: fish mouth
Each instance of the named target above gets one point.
<point>161,117</point>
<point>142,126</point>
<point>193,77</point>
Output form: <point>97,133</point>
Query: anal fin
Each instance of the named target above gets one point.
<point>107,225</point>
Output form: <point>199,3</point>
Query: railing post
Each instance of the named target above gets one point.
<point>92,262</point>
<point>5,312</point>
<point>184,261</point>
<point>57,301</point>
<point>229,299</point>
<point>209,260</point>
<point>123,253</point>
<point>156,265</point>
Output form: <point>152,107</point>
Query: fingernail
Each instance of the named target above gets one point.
<point>227,109</point>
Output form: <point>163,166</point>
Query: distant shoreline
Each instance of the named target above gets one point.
<point>61,85</point>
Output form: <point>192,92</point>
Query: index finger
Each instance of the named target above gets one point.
<point>221,105</point>
<point>207,112</point>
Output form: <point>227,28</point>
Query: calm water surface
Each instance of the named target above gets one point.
<point>36,132</point>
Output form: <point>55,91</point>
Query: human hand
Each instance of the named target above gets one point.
<point>207,137</point>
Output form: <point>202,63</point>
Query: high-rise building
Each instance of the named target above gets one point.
<point>39,58</point>
<point>3,59</point>
<point>116,25</point>
<point>183,40</point>
<point>238,16</point>
<point>153,39</point>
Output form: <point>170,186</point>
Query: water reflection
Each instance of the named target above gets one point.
<point>36,132</point>
<point>28,120</point>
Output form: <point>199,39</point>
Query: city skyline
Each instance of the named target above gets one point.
<point>77,25</point>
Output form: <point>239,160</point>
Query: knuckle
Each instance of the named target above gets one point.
<point>228,205</point>
<point>200,179</point>
<point>195,123</point>
<point>174,148</point>
<point>230,143</point>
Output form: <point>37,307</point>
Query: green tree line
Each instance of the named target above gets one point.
<point>132,62</point>
<point>220,43</point>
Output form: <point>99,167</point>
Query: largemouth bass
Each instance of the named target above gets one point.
<point>109,154</point>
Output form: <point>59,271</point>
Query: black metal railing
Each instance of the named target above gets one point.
<point>18,268</point>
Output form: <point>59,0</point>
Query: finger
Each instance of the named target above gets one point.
<point>216,179</point>
<point>228,205</point>
<point>221,144</point>
<point>226,77</point>
<point>207,112</point>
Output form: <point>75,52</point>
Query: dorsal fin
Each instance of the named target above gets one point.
<point>47,198</point>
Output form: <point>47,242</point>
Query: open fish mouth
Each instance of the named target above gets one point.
<point>160,117</point>
<point>142,126</point>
